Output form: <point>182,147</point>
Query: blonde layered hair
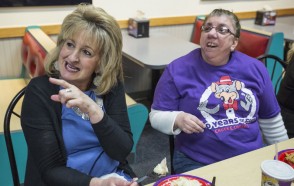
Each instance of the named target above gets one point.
<point>99,29</point>
<point>290,54</point>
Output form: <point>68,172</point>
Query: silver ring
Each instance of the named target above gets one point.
<point>68,90</point>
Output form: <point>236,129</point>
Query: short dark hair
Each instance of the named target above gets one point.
<point>234,18</point>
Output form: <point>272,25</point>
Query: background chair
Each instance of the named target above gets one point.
<point>17,156</point>
<point>276,68</point>
<point>252,44</point>
<point>256,44</point>
<point>171,139</point>
<point>196,33</point>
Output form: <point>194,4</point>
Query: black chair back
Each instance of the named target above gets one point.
<point>276,67</point>
<point>8,138</point>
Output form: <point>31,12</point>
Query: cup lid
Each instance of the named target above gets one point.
<point>278,170</point>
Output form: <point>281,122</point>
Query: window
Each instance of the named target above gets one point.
<point>22,3</point>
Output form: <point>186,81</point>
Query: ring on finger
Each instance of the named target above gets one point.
<point>68,90</point>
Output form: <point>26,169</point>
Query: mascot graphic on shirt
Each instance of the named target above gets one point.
<point>222,99</point>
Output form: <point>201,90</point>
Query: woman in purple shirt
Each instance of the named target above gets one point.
<point>218,102</point>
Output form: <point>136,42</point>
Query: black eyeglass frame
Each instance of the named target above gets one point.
<point>217,29</point>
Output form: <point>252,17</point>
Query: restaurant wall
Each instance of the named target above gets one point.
<point>10,47</point>
<point>122,10</point>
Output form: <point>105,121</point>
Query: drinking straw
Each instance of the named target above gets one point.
<point>276,148</point>
<point>213,181</point>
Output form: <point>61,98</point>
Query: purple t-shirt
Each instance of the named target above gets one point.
<point>229,99</point>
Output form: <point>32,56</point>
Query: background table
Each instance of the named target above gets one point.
<point>151,54</point>
<point>242,170</point>
<point>9,88</point>
<point>155,51</point>
<point>283,24</point>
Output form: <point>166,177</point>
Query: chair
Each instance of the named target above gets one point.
<point>252,44</point>
<point>197,30</point>
<point>256,44</point>
<point>138,115</point>
<point>17,156</point>
<point>276,68</point>
<point>171,139</point>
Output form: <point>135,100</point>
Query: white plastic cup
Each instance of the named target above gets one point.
<point>276,173</point>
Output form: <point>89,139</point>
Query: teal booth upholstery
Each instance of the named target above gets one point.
<point>21,152</point>
<point>276,47</point>
<point>138,115</point>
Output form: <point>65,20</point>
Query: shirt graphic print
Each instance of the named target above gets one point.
<point>230,97</point>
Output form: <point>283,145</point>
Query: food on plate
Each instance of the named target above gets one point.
<point>182,181</point>
<point>161,169</point>
<point>289,157</point>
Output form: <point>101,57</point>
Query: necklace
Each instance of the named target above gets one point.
<point>85,116</point>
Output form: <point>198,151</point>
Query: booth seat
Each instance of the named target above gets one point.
<point>21,154</point>
<point>196,33</point>
<point>255,43</point>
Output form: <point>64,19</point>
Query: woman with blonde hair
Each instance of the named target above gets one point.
<point>75,117</point>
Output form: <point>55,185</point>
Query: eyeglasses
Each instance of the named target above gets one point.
<point>223,30</point>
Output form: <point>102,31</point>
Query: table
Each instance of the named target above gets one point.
<point>242,170</point>
<point>283,24</point>
<point>9,88</point>
<point>155,51</point>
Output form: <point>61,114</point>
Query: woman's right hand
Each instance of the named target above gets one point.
<point>188,123</point>
<point>112,181</point>
<point>72,96</point>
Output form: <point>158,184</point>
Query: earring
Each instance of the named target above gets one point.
<point>96,80</point>
<point>56,66</point>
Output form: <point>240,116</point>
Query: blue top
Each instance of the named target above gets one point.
<point>84,151</point>
<point>229,99</point>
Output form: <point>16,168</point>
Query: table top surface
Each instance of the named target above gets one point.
<point>10,87</point>
<point>155,51</point>
<point>242,170</point>
<point>283,24</point>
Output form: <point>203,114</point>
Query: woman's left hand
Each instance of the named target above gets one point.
<point>189,123</point>
<point>72,96</point>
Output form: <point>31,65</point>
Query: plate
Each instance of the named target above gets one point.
<point>166,181</point>
<point>282,155</point>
